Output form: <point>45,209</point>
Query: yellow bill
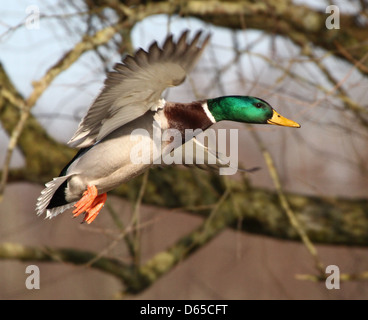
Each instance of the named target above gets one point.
<point>282,121</point>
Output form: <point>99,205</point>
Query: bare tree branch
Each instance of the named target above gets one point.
<point>223,203</point>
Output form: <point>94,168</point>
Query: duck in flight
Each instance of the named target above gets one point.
<point>131,99</point>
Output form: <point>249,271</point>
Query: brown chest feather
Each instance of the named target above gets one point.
<point>183,116</point>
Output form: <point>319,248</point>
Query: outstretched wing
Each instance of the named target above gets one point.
<point>135,86</point>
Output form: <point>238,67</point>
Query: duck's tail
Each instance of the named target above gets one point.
<point>52,199</point>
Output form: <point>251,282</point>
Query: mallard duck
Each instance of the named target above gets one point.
<point>132,98</point>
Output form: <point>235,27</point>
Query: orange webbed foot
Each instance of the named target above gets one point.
<point>86,201</point>
<point>95,208</point>
<point>91,203</point>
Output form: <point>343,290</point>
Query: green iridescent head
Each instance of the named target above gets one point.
<point>246,109</point>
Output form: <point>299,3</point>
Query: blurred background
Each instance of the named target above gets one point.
<point>179,233</point>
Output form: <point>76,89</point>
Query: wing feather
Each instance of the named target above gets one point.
<point>135,86</point>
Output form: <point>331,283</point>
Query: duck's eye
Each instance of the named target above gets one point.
<point>259,105</point>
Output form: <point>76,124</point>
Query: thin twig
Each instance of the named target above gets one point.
<point>136,219</point>
<point>285,205</point>
<point>120,236</point>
